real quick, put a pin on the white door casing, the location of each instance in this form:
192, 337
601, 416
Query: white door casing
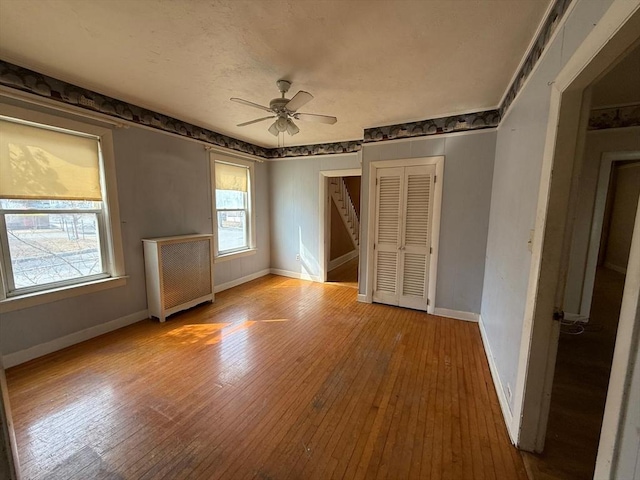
402, 239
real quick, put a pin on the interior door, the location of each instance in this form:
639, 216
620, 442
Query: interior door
389, 186
416, 236
402, 242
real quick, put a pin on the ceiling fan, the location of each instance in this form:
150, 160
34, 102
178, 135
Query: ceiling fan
284, 110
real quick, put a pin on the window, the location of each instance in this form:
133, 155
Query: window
55, 224
233, 206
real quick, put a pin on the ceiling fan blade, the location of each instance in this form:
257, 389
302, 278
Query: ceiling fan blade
310, 117
301, 98
273, 130
254, 121
250, 104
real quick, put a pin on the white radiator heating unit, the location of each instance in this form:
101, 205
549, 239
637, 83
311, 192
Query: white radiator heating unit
179, 273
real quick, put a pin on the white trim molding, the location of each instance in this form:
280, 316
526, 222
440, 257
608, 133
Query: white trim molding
22, 356
298, 275
457, 314
619, 439
364, 298
341, 260
11, 304
239, 281
502, 398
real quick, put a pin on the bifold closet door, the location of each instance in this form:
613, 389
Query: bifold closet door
402, 242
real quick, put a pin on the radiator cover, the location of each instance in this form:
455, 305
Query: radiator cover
179, 273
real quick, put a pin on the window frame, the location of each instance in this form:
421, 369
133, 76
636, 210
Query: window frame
108, 222
250, 209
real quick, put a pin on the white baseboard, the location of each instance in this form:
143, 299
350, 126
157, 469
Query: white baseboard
616, 268
298, 275
22, 356
336, 262
240, 281
502, 397
363, 298
457, 314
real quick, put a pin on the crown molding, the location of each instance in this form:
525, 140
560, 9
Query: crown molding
434, 126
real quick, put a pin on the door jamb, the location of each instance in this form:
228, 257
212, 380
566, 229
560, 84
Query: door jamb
438, 161
325, 214
602, 190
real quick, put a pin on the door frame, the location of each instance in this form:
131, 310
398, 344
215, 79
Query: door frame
595, 234
438, 161
324, 227
611, 37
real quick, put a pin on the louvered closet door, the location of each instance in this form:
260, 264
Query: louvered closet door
404, 205
389, 193
416, 236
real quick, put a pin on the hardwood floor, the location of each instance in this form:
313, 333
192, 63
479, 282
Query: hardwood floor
579, 390
279, 378
346, 274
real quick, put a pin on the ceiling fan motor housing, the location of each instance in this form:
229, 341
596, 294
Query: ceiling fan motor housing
278, 104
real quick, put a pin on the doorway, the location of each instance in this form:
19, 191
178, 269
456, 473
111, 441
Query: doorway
605, 47
339, 228
587, 341
344, 230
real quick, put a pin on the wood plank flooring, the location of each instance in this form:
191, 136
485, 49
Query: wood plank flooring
278, 379
346, 274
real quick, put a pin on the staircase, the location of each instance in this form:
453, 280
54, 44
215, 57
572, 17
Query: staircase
342, 200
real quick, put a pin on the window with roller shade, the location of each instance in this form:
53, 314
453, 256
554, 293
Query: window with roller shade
233, 183
52, 211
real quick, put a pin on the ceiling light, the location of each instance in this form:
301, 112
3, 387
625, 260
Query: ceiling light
281, 123
292, 128
273, 129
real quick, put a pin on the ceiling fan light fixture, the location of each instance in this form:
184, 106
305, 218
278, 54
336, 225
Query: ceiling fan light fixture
273, 129
281, 123
284, 111
292, 128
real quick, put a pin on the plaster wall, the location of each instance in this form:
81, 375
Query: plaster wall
518, 163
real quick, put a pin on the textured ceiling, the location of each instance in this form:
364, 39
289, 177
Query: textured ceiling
370, 63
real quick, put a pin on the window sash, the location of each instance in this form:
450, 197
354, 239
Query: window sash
219, 163
9, 279
247, 226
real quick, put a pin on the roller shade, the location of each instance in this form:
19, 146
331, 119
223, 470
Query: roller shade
231, 177
38, 163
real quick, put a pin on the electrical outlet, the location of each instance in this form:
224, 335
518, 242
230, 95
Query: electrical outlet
297, 257
508, 391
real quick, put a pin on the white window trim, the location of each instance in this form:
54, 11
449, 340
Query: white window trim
111, 212
252, 249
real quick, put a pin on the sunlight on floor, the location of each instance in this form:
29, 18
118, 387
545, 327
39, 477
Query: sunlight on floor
213, 332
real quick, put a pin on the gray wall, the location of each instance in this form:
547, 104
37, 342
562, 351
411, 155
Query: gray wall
597, 143
468, 169
163, 189
295, 206
518, 163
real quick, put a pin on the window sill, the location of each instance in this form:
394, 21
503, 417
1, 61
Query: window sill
38, 298
234, 255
